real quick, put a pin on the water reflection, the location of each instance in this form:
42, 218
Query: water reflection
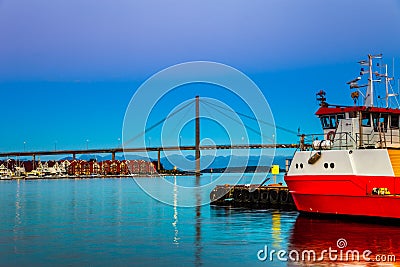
343, 235
276, 229
17, 205
18, 209
198, 245
175, 222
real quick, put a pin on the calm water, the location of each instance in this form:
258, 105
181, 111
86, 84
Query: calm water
112, 222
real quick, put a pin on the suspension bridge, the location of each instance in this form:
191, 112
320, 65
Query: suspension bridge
196, 147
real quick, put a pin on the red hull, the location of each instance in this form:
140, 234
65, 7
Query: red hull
345, 195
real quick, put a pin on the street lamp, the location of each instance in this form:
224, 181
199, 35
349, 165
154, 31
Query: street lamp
180, 140
55, 145
24, 146
87, 144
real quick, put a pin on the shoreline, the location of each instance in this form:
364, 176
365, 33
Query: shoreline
57, 177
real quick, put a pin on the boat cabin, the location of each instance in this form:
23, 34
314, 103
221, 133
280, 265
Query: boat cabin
360, 126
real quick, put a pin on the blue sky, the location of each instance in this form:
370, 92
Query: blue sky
69, 68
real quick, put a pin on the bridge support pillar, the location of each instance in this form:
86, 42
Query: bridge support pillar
33, 160
113, 156
74, 156
197, 134
159, 160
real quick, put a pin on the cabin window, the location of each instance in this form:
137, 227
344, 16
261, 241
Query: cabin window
331, 121
365, 119
339, 117
326, 123
394, 121
353, 114
380, 120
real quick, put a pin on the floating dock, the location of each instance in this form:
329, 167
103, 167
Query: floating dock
273, 196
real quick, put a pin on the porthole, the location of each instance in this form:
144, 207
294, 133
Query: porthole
301, 165
297, 165
326, 165
332, 165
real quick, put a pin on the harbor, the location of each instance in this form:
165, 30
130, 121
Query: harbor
12, 169
83, 217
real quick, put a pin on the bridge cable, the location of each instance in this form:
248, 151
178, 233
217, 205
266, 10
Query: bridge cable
258, 120
156, 124
181, 120
238, 121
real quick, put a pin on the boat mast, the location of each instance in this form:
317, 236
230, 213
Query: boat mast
369, 99
387, 86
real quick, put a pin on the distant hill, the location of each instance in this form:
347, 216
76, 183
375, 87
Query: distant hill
221, 162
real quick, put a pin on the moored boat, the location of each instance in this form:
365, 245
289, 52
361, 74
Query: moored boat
354, 169
5, 173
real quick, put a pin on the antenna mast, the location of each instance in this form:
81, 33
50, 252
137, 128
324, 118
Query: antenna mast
369, 98
387, 80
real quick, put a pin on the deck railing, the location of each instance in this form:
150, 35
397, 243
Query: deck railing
348, 140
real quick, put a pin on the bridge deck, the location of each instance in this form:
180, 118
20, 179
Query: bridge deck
142, 149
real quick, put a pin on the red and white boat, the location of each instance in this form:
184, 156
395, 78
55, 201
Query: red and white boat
355, 168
